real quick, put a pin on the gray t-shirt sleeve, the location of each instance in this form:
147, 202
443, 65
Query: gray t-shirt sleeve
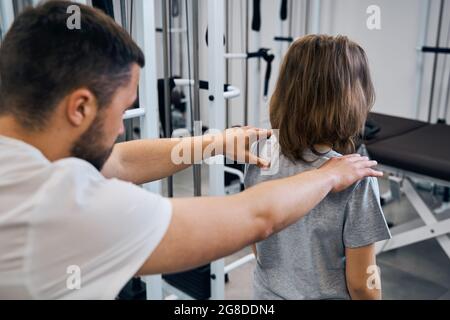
364, 222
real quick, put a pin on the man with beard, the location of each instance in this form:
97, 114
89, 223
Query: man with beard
73, 223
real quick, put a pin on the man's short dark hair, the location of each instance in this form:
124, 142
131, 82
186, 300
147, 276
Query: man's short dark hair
42, 60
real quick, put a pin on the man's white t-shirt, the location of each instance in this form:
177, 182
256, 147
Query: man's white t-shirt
63, 226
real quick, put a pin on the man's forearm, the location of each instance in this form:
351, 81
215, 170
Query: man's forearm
144, 161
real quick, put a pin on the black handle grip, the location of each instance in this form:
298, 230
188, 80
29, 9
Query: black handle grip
256, 21
285, 39
269, 59
284, 10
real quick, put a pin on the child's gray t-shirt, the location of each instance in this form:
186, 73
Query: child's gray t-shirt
307, 260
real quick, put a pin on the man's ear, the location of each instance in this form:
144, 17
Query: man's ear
81, 107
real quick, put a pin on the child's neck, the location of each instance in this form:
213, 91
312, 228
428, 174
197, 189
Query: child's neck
322, 148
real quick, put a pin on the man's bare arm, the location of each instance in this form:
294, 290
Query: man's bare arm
205, 229
143, 161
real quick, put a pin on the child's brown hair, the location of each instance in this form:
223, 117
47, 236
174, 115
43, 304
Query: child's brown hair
323, 95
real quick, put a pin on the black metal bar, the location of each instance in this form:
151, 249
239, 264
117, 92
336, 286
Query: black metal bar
284, 10
447, 99
436, 50
167, 106
284, 39
195, 52
268, 57
256, 22
269, 61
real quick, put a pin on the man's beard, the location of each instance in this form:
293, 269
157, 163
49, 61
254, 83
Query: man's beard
89, 148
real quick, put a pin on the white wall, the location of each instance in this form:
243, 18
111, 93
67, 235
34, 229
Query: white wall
391, 50
395, 63
394, 60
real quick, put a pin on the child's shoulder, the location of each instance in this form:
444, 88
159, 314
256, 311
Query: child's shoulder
362, 188
280, 165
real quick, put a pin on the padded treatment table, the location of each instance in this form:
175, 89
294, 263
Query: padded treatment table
408, 149
424, 151
392, 126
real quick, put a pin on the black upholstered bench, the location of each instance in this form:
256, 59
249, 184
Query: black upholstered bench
391, 126
424, 151
410, 148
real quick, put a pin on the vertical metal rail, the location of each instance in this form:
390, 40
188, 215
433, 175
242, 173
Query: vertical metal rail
197, 127
216, 70
148, 99
423, 32
167, 100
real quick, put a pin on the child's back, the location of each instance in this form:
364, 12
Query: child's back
322, 98
307, 260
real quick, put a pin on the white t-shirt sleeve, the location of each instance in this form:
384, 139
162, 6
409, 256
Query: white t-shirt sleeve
105, 231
